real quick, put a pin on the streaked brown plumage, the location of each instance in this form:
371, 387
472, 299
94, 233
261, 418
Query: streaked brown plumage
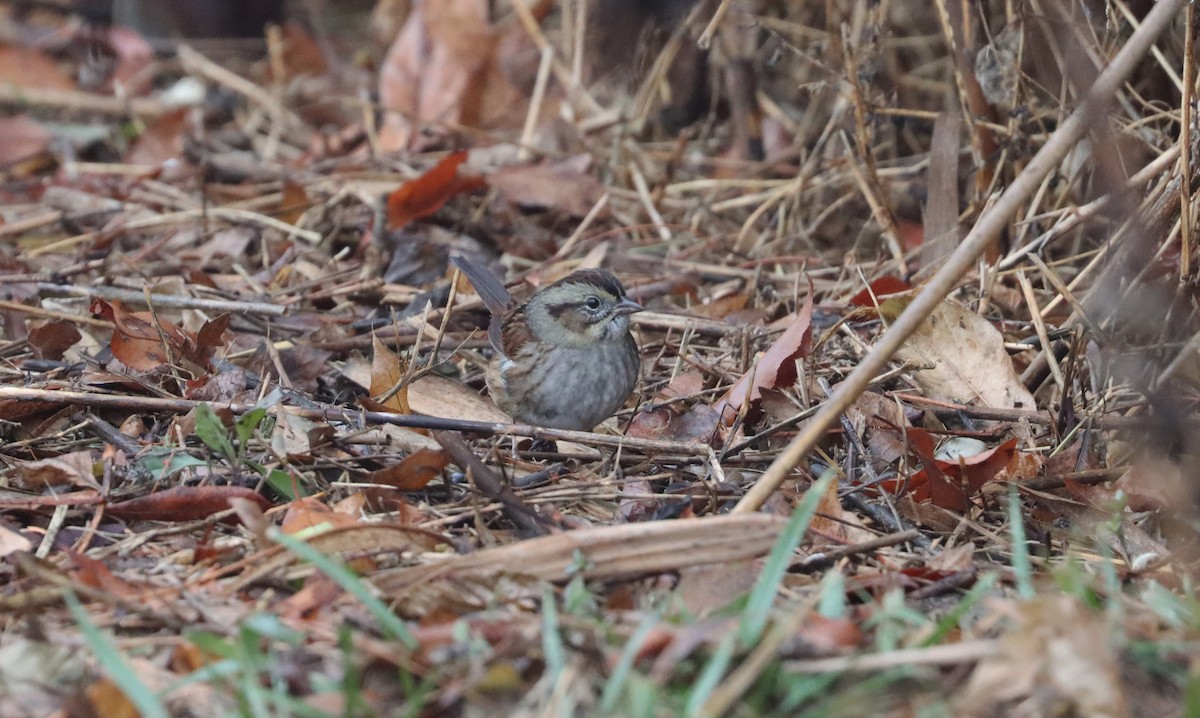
565, 358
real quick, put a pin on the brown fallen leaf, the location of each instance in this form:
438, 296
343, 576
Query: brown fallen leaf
387, 372
562, 186
21, 138
1056, 660
49, 339
413, 472
144, 342
961, 358
183, 503
73, 469
881, 287
450, 65
775, 369
162, 141
29, 67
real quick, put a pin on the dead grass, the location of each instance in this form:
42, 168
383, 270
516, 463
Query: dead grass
916, 418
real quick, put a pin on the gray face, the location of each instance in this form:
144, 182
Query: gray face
586, 307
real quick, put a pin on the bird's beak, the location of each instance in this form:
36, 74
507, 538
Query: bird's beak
627, 306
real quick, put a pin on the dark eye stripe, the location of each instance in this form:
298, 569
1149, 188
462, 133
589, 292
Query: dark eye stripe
559, 309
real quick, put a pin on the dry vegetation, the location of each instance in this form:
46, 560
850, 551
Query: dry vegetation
915, 429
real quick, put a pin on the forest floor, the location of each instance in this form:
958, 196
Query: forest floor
915, 428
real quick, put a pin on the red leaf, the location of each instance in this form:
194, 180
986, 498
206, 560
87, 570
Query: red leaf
885, 285
426, 194
184, 503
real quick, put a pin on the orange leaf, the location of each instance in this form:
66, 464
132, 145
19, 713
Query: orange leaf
162, 141
138, 337
293, 202
881, 287
426, 194
387, 370
414, 471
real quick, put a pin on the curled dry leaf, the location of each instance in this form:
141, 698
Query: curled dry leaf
73, 469
142, 341
451, 66
950, 484
49, 339
413, 472
775, 369
387, 372
308, 514
878, 289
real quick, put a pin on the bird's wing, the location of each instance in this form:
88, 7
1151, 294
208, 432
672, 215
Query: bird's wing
487, 285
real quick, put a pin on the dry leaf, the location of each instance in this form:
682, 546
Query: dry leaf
21, 138
162, 141
438, 396
50, 338
73, 469
1056, 660
562, 186
27, 67
775, 369
426, 194
961, 358
184, 503
447, 67
413, 472
387, 372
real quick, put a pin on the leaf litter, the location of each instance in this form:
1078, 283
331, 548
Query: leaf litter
228, 313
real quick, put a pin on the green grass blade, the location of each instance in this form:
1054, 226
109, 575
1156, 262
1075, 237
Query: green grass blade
1022, 567
114, 664
711, 676
762, 596
347, 579
552, 645
620, 676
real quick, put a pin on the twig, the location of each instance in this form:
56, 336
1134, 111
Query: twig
52, 314
825, 559
520, 513
227, 214
705, 39
418, 421
162, 300
11, 94
940, 655
990, 225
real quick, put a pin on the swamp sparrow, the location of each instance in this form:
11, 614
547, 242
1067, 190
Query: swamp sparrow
565, 358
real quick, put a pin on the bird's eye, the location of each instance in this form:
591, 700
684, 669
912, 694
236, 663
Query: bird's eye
592, 303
